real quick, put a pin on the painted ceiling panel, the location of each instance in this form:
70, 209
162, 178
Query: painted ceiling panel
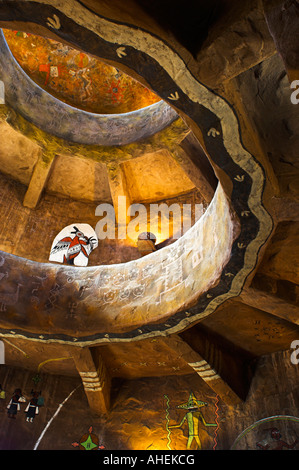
155, 176
80, 179
76, 78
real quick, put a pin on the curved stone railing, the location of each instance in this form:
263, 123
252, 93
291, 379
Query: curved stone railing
72, 124
118, 301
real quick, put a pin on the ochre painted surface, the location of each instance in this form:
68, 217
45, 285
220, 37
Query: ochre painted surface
218, 125
156, 176
29, 233
18, 154
79, 179
76, 78
79, 171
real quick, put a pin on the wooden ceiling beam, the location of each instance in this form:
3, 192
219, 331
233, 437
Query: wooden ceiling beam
195, 149
245, 36
194, 173
234, 365
203, 369
39, 178
270, 304
282, 20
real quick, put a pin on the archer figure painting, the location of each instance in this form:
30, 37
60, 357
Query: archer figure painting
73, 245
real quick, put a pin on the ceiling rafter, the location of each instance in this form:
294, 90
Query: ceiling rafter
204, 370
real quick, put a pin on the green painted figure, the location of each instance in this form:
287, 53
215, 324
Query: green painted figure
193, 417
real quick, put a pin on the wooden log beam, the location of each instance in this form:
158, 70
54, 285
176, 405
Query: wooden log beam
39, 178
251, 136
120, 196
204, 370
194, 173
244, 42
270, 304
196, 152
95, 379
282, 20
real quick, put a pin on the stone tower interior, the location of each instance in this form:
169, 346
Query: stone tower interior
110, 111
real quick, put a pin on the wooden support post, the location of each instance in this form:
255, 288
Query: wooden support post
38, 181
120, 196
95, 379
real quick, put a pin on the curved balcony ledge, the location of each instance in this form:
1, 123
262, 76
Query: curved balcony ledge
66, 122
140, 298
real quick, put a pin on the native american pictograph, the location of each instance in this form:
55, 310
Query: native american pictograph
73, 245
193, 417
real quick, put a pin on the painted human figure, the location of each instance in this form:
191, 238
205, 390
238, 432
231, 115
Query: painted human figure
40, 400
32, 408
193, 417
14, 404
277, 443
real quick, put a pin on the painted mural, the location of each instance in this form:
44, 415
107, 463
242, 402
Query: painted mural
89, 441
215, 119
55, 117
279, 432
14, 405
73, 245
193, 419
76, 78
